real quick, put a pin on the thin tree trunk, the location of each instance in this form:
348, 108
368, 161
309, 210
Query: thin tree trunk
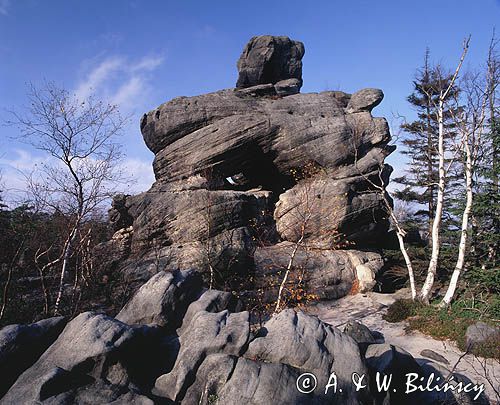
436, 224
66, 257
9, 278
45, 293
288, 269
465, 225
409, 266
430, 170
400, 233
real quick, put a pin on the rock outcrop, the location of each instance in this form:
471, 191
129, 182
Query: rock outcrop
243, 175
212, 356
22, 345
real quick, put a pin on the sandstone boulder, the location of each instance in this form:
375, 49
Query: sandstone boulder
305, 343
92, 346
359, 332
481, 335
207, 333
328, 274
163, 300
268, 59
22, 345
210, 301
228, 380
238, 170
365, 100
396, 362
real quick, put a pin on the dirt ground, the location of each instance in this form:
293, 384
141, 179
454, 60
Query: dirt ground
370, 307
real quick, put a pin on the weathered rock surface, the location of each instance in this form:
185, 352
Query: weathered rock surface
214, 358
22, 345
431, 354
224, 379
210, 301
359, 332
365, 100
268, 59
395, 362
226, 134
207, 333
91, 346
97, 393
329, 273
481, 333
305, 343
177, 217
243, 174
163, 300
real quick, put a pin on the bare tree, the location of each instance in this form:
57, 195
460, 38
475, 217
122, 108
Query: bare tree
297, 245
313, 180
80, 171
477, 90
379, 186
436, 224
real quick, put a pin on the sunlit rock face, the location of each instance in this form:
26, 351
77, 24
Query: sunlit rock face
256, 169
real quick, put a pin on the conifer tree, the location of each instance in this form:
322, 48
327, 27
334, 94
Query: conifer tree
420, 141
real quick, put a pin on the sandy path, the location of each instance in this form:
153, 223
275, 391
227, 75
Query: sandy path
369, 308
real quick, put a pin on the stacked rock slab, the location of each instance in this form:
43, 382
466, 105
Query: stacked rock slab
243, 173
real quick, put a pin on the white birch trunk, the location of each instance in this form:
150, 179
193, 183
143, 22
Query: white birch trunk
400, 233
287, 272
66, 257
465, 225
408, 265
436, 224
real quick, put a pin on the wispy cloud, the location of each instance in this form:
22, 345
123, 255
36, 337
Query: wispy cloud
97, 77
22, 160
148, 64
120, 80
129, 92
13, 170
141, 172
4, 7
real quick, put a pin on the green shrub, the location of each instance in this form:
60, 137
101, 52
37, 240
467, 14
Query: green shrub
401, 310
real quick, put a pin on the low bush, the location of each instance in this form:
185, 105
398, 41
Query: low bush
401, 310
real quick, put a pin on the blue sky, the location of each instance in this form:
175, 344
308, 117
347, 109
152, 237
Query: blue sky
139, 54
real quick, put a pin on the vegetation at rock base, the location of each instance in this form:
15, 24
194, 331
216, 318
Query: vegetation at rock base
450, 323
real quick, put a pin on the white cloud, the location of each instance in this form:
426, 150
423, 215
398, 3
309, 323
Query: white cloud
4, 7
141, 172
128, 92
120, 80
23, 160
98, 76
148, 63
13, 170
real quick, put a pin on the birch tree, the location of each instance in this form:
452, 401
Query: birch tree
80, 171
379, 185
436, 224
478, 93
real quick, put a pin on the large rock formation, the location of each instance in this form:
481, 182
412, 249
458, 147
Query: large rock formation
243, 175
